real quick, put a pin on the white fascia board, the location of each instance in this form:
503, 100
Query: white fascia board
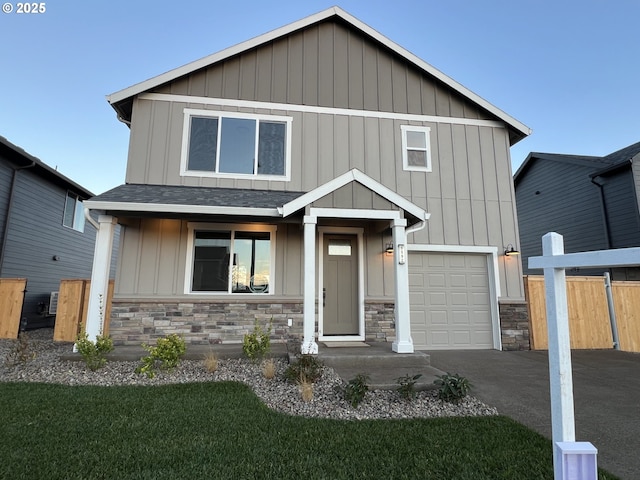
355, 213
451, 248
300, 24
186, 209
290, 107
341, 181
220, 56
618, 257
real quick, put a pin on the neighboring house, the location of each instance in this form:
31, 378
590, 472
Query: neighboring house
267, 182
592, 201
44, 235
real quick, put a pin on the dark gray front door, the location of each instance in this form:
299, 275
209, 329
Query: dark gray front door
340, 289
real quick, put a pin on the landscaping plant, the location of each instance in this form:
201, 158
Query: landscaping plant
452, 387
21, 351
407, 386
306, 388
308, 365
211, 362
94, 353
256, 345
269, 369
167, 354
356, 389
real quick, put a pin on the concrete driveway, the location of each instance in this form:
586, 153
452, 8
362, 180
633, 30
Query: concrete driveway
606, 388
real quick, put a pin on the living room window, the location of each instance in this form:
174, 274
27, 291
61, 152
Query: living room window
230, 259
223, 144
416, 148
73, 212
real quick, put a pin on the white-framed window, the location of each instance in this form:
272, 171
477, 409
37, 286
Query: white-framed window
230, 259
416, 148
73, 216
238, 145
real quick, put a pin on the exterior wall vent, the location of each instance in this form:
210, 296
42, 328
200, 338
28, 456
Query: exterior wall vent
53, 303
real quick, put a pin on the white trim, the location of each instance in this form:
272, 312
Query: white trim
355, 213
231, 227
303, 23
189, 113
405, 148
359, 232
170, 208
289, 107
344, 179
618, 257
492, 270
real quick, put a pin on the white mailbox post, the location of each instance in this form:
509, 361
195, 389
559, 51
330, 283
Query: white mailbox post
554, 262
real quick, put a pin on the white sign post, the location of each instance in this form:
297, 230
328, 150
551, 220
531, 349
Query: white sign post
554, 262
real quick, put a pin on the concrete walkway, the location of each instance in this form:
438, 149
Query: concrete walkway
606, 387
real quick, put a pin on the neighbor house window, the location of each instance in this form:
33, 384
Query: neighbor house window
73, 212
231, 260
416, 153
238, 145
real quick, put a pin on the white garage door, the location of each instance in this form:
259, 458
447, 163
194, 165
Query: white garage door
450, 301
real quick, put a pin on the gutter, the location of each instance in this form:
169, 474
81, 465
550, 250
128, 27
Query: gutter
5, 234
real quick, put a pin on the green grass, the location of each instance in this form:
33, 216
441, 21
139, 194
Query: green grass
222, 430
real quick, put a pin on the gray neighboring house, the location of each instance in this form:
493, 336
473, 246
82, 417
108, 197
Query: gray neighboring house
44, 235
319, 176
594, 202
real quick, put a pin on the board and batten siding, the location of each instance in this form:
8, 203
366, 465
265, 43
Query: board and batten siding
328, 65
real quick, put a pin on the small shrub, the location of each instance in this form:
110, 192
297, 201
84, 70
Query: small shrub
166, 353
452, 388
21, 351
308, 365
356, 389
407, 386
256, 345
94, 353
269, 369
211, 362
306, 388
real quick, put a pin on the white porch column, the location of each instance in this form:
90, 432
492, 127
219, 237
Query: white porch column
309, 345
404, 342
100, 276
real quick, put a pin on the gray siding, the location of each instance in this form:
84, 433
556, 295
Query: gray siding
6, 174
559, 197
622, 211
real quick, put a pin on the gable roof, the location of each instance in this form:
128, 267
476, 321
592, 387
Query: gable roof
518, 129
22, 159
601, 165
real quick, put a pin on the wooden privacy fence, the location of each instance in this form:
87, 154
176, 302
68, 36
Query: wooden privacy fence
73, 301
589, 322
11, 299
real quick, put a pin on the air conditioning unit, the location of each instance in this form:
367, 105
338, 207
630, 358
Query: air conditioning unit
53, 303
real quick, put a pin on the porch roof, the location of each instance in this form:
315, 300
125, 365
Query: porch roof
183, 199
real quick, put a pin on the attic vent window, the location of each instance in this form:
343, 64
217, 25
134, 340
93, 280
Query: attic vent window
226, 144
416, 148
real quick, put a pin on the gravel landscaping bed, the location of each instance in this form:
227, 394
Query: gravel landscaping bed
44, 365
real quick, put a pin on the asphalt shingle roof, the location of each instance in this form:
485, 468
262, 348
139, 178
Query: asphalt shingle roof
206, 196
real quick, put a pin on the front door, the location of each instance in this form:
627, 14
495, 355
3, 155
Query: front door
340, 285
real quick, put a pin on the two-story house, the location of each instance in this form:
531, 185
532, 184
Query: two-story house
319, 176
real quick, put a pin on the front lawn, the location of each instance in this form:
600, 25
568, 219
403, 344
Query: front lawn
222, 430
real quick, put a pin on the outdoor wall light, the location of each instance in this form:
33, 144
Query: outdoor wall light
55, 258
389, 249
510, 251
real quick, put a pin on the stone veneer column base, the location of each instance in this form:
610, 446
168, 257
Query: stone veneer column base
202, 322
514, 325
379, 321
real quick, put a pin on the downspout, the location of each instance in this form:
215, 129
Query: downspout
416, 228
90, 219
605, 217
5, 234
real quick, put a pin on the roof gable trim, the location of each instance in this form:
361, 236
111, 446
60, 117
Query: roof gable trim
348, 177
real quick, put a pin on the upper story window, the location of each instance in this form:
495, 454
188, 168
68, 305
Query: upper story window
228, 144
73, 212
416, 148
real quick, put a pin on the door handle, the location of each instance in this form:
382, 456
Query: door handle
324, 297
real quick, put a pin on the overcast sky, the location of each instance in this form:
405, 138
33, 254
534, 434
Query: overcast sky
568, 69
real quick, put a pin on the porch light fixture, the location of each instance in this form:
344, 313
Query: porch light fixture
389, 249
510, 251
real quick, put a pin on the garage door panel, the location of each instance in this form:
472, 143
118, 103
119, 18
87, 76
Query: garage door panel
450, 301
